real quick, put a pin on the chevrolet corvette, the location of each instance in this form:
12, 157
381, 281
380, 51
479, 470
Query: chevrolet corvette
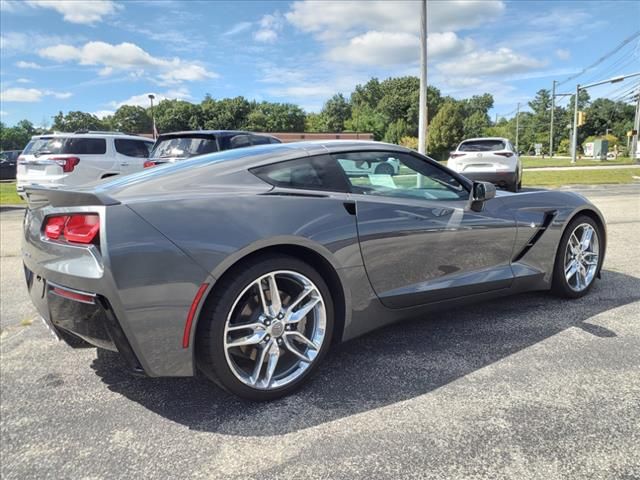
247, 265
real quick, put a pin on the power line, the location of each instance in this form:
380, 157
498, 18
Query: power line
601, 59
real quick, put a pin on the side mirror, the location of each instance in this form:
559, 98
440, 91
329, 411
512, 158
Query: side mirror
483, 191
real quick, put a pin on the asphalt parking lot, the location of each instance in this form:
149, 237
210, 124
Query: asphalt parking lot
526, 387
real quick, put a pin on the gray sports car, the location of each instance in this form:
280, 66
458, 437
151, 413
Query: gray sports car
248, 264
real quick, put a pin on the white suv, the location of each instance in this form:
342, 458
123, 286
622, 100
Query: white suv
492, 160
74, 159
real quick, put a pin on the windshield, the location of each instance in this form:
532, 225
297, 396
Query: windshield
184, 147
482, 146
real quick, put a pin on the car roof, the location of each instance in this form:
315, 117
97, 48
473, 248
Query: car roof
213, 132
92, 135
484, 138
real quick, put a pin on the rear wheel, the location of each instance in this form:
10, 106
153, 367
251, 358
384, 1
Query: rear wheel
266, 328
515, 186
579, 258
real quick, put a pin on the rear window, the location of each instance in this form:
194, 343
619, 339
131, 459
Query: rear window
66, 145
133, 148
184, 147
482, 146
309, 173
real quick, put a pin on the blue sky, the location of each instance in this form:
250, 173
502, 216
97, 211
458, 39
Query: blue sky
97, 55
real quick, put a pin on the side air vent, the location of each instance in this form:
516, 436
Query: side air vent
546, 221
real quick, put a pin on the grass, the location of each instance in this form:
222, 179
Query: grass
8, 195
536, 162
580, 177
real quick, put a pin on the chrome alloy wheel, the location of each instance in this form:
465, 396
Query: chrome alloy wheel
275, 329
581, 257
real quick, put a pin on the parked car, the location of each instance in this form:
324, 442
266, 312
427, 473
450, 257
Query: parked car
8, 164
75, 159
172, 147
492, 160
248, 264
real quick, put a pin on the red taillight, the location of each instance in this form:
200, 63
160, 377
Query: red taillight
20, 159
504, 154
148, 164
54, 227
67, 163
71, 295
76, 228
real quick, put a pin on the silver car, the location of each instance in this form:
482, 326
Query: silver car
247, 265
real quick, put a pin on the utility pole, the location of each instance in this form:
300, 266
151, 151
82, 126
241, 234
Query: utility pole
553, 108
636, 127
422, 119
574, 137
517, 127
153, 117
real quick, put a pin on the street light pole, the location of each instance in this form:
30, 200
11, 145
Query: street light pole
636, 127
553, 108
422, 116
153, 118
518, 127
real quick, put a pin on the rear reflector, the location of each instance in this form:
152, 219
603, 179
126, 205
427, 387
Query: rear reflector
71, 295
148, 164
504, 154
192, 314
67, 163
76, 228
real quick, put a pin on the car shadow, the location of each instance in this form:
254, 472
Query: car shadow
393, 364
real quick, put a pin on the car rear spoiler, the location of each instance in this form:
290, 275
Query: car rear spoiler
40, 196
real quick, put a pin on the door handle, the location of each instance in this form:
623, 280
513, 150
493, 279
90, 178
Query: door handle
125, 164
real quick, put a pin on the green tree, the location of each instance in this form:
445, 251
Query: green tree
396, 131
176, 115
16, 137
336, 112
131, 119
476, 124
315, 123
226, 113
447, 129
74, 121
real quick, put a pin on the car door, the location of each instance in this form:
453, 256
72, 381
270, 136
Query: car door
420, 240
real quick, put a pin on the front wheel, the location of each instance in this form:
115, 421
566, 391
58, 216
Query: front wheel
266, 328
579, 258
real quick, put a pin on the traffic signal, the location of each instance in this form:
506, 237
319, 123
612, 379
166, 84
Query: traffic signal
581, 118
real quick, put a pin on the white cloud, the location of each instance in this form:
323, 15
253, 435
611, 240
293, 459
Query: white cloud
498, 62
31, 65
30, 95
269, 28
21, 95
79, 11
103, 113
23, 80
3, 113
563, 54
26, 42
142, 100
129, 57
237, 28
393, 48
327, 18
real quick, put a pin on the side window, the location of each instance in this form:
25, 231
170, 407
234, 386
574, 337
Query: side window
259, 140
274, 140
132, 148
309, 173
85, 146
239, 141
394, 174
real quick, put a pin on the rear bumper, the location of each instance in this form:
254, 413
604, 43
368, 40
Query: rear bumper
501, 179
73, 315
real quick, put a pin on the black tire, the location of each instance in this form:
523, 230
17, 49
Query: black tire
385, 169
559, 286
210, 355
514, 187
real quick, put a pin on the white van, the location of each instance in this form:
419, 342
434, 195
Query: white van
75, 159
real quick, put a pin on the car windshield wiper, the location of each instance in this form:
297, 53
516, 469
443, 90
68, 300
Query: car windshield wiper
42, 152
